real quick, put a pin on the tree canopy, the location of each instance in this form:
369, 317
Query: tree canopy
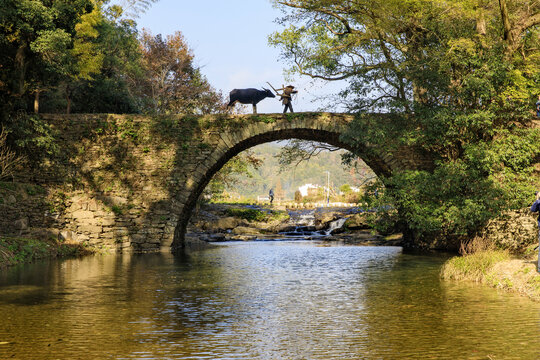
461, 78
87, 56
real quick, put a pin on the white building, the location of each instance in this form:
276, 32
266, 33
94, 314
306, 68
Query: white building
305, 189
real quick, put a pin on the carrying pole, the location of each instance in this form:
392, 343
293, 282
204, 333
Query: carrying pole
272, 88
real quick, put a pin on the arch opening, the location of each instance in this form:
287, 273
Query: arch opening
318, 135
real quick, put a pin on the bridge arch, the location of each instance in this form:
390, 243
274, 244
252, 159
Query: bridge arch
133, 180
226, 144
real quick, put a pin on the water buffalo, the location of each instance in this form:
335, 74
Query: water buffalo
249, 96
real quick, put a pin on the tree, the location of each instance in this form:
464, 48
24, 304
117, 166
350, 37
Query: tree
386, 48
519, 19
280, 194
172, 83
458, 76
35, 37
86, 57
134, 8
114, 87
359, 42
227, 176
297, 196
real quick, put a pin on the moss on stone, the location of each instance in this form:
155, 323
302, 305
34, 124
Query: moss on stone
16, 250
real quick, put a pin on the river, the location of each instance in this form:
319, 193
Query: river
259, 300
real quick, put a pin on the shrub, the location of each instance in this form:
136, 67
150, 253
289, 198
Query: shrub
473, 267
248, 214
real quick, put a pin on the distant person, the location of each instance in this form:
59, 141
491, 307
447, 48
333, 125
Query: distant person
271, 195
536, 208
538, 107
286, 97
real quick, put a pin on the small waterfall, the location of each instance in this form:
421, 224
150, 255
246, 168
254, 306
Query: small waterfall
305, 218
334, 225
304, 225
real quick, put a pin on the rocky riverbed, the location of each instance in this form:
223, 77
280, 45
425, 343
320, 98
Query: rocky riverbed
223, 222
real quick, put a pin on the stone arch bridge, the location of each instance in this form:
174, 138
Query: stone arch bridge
132, 181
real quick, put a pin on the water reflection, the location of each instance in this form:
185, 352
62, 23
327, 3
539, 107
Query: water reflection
263, 300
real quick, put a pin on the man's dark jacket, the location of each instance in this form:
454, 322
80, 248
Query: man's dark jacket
536, 207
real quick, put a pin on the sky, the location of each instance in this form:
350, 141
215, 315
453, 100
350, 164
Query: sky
230, 41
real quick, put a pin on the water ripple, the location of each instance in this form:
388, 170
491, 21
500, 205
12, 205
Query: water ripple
264, 300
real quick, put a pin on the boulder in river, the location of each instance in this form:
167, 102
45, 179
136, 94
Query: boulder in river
324, 217
222, 224
356, 222
244, 230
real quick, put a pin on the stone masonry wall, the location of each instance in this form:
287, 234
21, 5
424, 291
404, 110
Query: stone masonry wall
514, 230
131, 182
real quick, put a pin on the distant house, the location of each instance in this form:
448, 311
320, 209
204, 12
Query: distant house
309, 189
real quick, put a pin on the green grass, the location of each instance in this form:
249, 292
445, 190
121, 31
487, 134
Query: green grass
248, 214
15, 251
278, 215
474, 267
258, 215
496, 268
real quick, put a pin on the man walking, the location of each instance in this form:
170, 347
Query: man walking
286, 97
536, 208
271, 195
538, 107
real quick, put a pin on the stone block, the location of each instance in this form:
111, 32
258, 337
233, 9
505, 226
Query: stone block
152, 231
93, 205
82, 238
138, 238
106, 221
169, 229
118, 200
91, 229
107, 235
83, 215
243, 230
21, 224
149, 246
121, 231
139, 221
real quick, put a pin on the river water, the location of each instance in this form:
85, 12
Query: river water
259, 300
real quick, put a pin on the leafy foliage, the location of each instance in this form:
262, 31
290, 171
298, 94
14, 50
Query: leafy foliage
171, 83
87, 56
460, 79
248, 214
134, 8
269, 172
241, 165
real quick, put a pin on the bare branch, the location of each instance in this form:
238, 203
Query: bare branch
298, 151
9, 160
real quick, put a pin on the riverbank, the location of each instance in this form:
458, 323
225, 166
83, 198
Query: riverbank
16, 250
241, 222
498, 269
